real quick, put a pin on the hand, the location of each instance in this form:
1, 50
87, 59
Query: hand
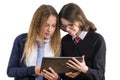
77, 65
49, 74
72, 74
37, 70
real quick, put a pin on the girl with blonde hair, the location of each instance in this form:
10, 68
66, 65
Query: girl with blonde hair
42, 40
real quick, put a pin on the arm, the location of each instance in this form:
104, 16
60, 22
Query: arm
16, 68
98, 70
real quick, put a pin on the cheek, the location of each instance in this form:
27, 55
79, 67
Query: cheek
76, 29
53, 30
45, 29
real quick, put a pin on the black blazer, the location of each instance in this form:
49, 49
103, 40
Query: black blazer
94, 48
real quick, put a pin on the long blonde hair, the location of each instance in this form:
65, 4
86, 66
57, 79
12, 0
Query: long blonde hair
39, 19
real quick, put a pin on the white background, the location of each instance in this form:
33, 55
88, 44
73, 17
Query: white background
16, 15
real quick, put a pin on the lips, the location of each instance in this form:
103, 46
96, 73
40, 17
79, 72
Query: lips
47, 34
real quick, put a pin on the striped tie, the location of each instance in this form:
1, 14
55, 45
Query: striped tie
76, 40
39, 58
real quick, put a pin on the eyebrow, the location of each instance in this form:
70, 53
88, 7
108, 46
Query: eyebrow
52, 24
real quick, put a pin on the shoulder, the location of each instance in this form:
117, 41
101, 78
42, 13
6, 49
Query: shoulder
67, 40
20, 38
66, 37
96, 38
95, 35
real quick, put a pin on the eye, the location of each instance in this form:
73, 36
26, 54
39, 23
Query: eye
46, 25
70, 24
54, 25
62, 26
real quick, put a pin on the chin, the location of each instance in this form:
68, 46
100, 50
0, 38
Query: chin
72, 34
47, 37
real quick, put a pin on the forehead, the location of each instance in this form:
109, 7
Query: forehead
64, 21
51, 19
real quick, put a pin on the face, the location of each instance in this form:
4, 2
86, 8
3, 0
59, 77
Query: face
71, 28
50, 27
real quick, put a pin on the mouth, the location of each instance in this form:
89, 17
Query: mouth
47, 34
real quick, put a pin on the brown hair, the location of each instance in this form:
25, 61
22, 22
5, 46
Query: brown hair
39, 19
74, 13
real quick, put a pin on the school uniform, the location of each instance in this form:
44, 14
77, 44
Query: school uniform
22, 70
92, 45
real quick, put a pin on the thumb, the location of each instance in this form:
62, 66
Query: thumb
83, 58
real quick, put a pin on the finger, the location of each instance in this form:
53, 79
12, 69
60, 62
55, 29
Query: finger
51, 70
70, 74
69, 65
83, 58
50, 74
54, 74
74, 64
75, 60
46, 74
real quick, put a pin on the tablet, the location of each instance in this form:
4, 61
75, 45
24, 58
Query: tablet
57, 63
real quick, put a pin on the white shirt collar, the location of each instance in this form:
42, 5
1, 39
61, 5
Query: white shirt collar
81, 35
47, 40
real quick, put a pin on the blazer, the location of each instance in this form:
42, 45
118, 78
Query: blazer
94, 48
16, 67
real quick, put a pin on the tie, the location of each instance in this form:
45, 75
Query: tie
40, 54
39, 57
76, 40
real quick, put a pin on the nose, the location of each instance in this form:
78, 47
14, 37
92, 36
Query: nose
67, 29
50, 28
